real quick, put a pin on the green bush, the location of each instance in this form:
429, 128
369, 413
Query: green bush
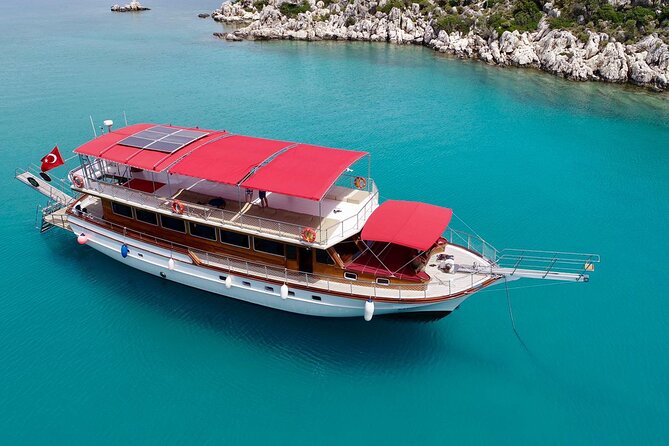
561, 22
392, 4
451, 23
609, 14
292, 9
260, 4
526, 15
642, 16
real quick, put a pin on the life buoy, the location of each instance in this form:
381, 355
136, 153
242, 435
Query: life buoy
360, 182
78, 181
309, 235
178, 207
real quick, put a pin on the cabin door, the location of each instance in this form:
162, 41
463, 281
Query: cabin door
306, 260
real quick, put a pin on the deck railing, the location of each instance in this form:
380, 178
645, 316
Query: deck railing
473, 243
317, 282
547, 261
239, 220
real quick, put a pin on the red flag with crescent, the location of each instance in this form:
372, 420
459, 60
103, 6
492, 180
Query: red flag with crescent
53, 159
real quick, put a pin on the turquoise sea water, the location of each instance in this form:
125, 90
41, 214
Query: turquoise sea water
93, 352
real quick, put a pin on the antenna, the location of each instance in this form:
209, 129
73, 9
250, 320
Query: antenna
125, 118
95, 134
108, 123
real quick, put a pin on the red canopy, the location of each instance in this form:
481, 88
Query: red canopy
303, 171
228, 160
106, 147
407, 223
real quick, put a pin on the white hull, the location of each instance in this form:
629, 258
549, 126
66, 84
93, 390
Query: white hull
154, 260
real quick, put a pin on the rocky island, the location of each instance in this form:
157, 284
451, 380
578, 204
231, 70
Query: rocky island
623, 41
131, 7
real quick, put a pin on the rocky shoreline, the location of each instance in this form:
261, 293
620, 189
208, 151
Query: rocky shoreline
560, 52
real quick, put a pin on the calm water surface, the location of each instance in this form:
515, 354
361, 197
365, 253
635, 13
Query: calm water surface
94, 352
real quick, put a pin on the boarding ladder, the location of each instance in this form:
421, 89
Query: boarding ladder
56, 190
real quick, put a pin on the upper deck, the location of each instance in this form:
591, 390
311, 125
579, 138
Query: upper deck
307, 187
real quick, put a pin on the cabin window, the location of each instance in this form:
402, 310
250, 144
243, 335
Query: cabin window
314, 297
322, 256
382, 281
350, 276
268, 246
291, 252
234, 238
269, 288
245, 283
291, 293
202, 231
146, 216
121, 209
173, 224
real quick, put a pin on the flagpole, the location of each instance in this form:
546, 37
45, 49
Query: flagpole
93, 125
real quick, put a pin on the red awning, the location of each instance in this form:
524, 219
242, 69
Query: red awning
304, 171
228, 160
407, 223
106, 147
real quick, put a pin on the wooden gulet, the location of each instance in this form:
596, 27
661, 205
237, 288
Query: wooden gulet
290, 226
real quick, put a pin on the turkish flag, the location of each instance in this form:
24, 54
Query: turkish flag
53, 159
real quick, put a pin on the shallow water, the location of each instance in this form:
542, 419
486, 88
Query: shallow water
91, 351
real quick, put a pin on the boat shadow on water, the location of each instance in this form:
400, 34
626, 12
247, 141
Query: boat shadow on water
348, 342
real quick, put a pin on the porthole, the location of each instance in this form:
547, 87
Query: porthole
314, 297
222, 277
382, 281
350, 276
245, 283
269, 288
291, 293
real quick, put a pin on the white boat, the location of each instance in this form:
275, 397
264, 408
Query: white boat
289, 226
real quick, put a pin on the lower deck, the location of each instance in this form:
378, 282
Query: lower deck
440, 285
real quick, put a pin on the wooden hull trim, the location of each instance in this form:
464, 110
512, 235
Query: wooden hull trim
427, 300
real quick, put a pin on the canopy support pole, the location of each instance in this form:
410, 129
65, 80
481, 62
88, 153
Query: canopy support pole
377, 257
169, 186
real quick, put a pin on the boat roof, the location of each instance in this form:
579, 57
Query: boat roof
407, 223
303, 171
298, 170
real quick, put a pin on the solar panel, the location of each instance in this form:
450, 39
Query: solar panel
162, 139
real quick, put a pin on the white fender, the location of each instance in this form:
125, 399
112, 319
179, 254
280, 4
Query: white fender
284, 291
170, 264
82, 239
369, 310
228, 282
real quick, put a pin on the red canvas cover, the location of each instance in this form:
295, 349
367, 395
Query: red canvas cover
394, 262
106, 147
407, 223
228, 160
303, 171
